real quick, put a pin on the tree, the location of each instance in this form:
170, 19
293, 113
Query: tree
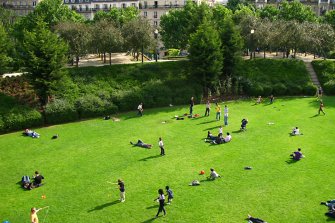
5, 49
329, 18
107, 37
118, 16
77, 36
269, 12
205, 56
138, 35
43, 55
295, 10
231, 46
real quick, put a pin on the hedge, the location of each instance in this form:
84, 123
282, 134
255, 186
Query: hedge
60, 111
325, 70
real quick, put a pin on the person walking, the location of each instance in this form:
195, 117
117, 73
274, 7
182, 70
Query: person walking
191, 106
321, 108
169, 194
208, 108
140, 109
218, 111
161, 200
225, 116
161, 145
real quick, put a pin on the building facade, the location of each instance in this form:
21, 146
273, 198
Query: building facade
20, 7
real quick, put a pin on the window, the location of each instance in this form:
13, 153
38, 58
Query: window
124, 5
105, 6
145, 4
86, 8
34, 3
155, 14
145, 14
133, 4
155, 23
80, 8
156, 4
97, 6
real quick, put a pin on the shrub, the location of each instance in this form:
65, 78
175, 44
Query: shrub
128, 100
2, 125
279, 89
93, 106
21, 118
293, 89
60, 111
267, 89
309, 89
329, 87
173, 52
156, 94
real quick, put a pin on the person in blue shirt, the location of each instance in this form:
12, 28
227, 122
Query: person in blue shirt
169, 194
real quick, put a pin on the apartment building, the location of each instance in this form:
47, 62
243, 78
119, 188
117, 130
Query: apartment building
20, 7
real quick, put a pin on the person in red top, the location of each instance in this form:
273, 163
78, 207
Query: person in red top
321, 108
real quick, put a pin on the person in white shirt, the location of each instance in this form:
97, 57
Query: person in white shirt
213, 175
161, 145
140, 109
208, 108
227, 138
220, 130
161, 199
225, 115
295, 131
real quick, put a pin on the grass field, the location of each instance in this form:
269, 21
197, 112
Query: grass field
77, 165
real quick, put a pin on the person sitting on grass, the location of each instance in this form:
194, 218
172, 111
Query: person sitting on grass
31, 133
210, 136
227, 138
213, 175
140, 143
244, 123
37, 180
295, 132
297, 155
254, 220
259, 100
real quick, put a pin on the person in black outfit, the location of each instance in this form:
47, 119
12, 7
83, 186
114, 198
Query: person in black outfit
37, 179
244, 124
161, 199
191, 106
255, 220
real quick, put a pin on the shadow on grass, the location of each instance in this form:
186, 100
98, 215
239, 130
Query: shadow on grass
131, 117
202, 123
149, 158
153, 206
149, 220
211, 128
316, 115
291, 161
330, 219
238, 131
100, 207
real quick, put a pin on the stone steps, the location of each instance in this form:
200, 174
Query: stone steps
312, 74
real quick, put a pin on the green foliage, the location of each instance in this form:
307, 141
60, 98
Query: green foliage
329, 18
173, 52
278, 77
295, 10
5, 49
60, 111
92, 106
118, 16
205, 56
43, 55
325, 70
270, 12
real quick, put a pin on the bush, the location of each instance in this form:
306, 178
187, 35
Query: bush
128, 100
293, 89
310, 89
92, 106
60, 111
279, 89
173, 52
156, 94
329, 87
21, 118
2, 125
267, 89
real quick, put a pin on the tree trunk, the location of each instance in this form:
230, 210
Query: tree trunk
110, 59
142, 52
77, 61
104, 57
264, 54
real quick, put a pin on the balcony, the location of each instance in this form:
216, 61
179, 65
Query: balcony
159, 6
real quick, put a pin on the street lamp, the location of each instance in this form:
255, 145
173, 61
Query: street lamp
252, 31
156, 50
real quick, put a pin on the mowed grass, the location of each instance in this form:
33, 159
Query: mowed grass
87, 154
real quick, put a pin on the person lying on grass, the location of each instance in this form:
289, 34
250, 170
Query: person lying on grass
330, 204
140, 143
254, 220
297, 155
295, 132
210, 136
31, 133
216, 139
213, 175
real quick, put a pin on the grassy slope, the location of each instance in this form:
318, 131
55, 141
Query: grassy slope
89, 153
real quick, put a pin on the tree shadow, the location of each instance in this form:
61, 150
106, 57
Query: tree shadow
291, 161
237, 131
197, 118
149, 220
131, 117
149, 158
202, 123
100, 207
153, 206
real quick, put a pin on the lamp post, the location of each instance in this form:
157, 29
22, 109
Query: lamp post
156, 48
252, 31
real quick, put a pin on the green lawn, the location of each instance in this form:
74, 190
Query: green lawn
89, 153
